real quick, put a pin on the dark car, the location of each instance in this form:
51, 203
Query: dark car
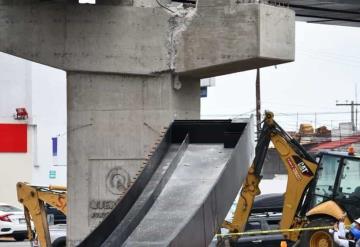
261, 222
265, 215
59, 217
268, 203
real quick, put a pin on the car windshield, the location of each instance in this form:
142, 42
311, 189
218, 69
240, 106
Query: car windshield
8, 208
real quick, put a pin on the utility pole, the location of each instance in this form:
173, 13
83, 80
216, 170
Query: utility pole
356, 119
352, 105
356, 109
258, 103
297, 121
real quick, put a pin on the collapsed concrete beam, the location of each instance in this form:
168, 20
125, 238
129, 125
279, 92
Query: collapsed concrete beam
185, 190
199, 194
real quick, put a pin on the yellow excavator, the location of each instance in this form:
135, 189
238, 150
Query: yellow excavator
33, 199
319, 191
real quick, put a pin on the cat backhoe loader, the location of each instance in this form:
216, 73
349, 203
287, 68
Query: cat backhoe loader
319, 191
33, 199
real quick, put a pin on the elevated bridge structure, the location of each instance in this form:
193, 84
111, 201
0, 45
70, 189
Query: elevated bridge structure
133, 67
332, 12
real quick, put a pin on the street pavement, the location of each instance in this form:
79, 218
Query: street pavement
8, 242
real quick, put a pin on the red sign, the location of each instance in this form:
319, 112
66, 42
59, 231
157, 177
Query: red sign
13, 138
294, 170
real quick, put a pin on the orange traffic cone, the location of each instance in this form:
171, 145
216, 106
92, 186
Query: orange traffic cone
283, 244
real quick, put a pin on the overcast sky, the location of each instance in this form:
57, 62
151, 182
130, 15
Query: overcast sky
326, 69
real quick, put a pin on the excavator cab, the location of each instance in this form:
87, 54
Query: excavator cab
338, 180
334, 191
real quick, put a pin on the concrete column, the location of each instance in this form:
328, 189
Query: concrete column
124, 60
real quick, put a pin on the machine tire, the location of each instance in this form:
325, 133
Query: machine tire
59, 242
318, 238
19, 238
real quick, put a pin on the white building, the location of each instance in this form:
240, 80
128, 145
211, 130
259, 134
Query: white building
42, 91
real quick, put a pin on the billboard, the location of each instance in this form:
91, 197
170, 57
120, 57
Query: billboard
13, 138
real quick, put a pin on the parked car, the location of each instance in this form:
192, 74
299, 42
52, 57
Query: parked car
265, 215
12, 222
55, 214
261, 223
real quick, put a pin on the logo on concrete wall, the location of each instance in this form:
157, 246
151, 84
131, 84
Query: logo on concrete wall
117, 180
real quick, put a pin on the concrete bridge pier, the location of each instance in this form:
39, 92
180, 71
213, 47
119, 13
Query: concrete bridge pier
132, 67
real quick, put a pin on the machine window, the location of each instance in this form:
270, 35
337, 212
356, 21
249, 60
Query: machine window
326, 178
349, 181
349, 188
8, 208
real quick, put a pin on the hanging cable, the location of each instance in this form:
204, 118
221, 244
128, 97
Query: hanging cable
163, 6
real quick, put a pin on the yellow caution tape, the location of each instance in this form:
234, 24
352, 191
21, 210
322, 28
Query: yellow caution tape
276, 231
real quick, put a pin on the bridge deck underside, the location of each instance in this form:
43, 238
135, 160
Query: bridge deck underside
334, 12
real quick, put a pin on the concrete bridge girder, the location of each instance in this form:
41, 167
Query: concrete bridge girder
132, 70
130, 40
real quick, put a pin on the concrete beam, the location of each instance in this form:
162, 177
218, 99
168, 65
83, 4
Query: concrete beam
240, 38
104, 38
146, 41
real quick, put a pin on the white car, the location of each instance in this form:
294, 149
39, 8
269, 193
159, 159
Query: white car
57, 236
12, 222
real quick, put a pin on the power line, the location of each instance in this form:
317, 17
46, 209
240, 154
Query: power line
331, 60
163, 6
352, 104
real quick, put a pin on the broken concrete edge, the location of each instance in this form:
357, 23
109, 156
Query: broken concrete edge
145, 200
104, 229
204, 51
245, 65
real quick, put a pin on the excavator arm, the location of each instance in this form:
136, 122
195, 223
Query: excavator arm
33, 199
301, 169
